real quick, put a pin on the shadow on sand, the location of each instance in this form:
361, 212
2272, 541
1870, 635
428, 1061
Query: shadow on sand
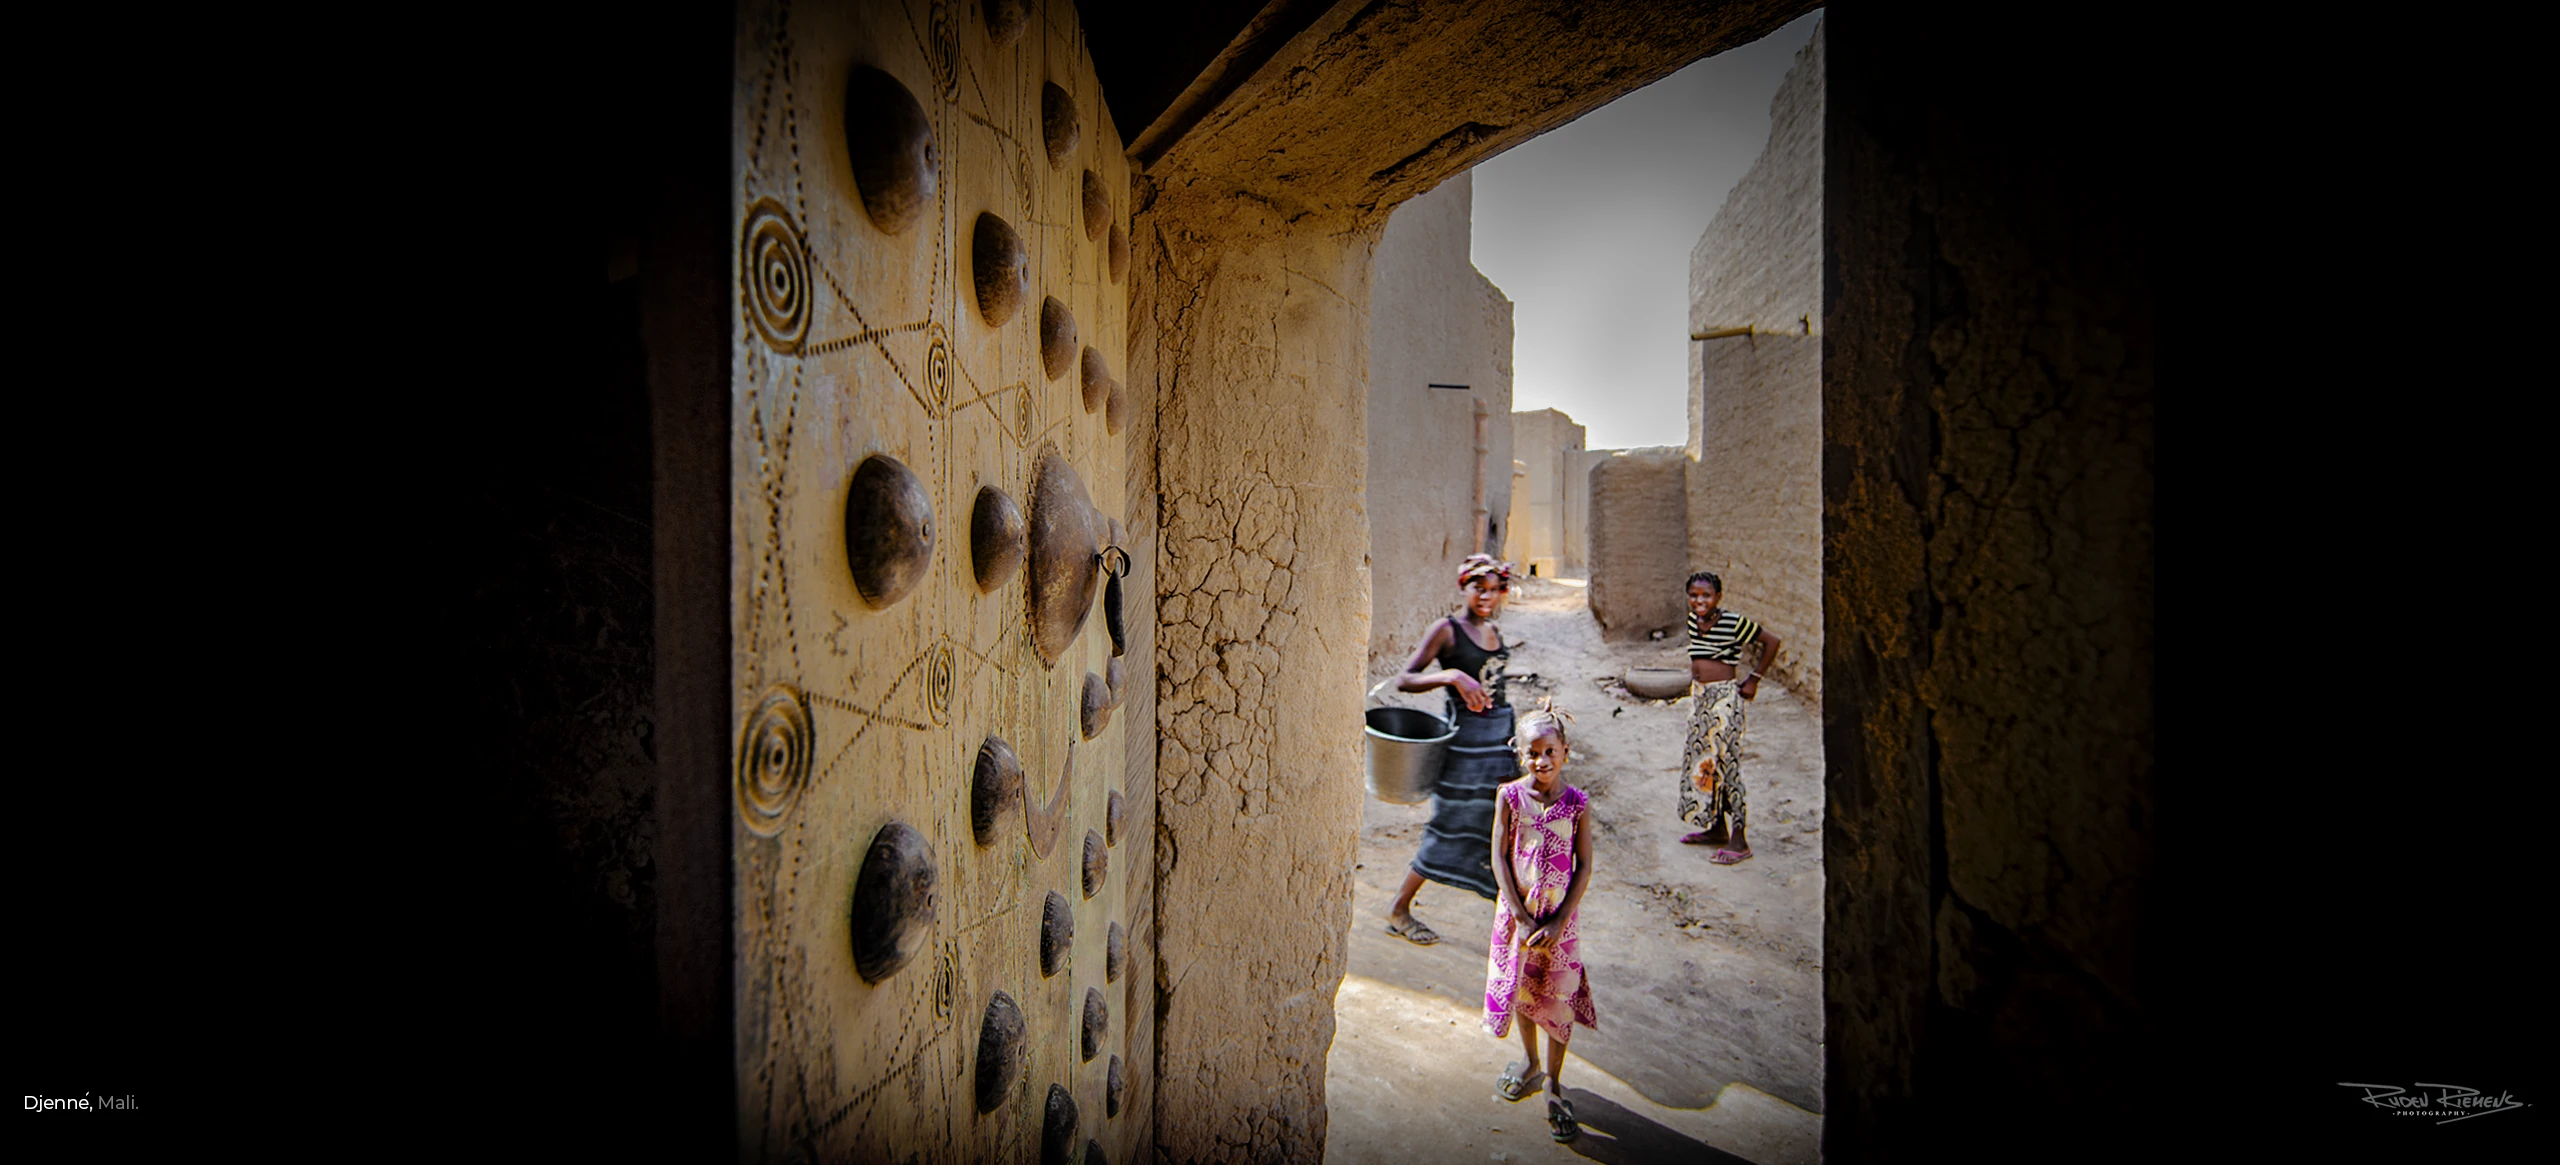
1612, 1134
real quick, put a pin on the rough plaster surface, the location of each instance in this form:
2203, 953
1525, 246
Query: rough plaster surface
1259, 355
1433, 319
895, 359
1987, 518
1375, 103
1755, 402
1639, 541
1546, 516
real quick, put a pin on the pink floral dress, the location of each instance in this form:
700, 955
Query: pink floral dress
1547, 986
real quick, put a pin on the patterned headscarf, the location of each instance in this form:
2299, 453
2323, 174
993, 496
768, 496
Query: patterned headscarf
1484, 565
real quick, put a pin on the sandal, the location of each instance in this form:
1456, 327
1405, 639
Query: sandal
1516, 1083
1727, 857
1411, 930
1560, 1118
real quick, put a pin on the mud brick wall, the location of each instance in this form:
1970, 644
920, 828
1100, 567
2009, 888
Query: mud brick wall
1755, 402
1639, 542
1988, 531
1433, 320
1548, 514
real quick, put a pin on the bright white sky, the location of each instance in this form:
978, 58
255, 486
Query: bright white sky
1588, 228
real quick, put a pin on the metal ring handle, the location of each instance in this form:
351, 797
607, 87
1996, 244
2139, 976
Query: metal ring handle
1110, 552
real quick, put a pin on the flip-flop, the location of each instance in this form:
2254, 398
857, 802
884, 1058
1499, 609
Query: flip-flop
1560, 1118
1411, 930
1515, 1088
1726, 857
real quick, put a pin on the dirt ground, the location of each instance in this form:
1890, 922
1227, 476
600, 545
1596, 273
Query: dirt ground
1707, 979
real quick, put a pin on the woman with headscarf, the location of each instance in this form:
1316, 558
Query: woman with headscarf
1464, 653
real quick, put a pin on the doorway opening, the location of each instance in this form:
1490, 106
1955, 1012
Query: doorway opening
1661, 404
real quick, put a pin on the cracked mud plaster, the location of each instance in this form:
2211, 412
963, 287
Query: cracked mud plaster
1263, 624
1988, 532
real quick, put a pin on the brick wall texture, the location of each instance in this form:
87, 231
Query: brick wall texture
1433, 319
1639, 503
1755, 402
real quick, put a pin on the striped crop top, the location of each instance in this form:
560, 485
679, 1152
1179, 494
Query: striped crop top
1725, 641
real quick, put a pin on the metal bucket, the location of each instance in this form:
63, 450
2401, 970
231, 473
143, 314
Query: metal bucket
1406, 749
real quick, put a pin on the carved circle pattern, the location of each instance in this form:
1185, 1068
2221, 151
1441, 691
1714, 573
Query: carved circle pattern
777, 277
937, 369
946, 50
773, 759
937, 683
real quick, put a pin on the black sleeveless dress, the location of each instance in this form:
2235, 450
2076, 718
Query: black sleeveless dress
1457, 847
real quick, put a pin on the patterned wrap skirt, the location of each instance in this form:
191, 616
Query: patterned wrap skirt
1713, 790
1457, 847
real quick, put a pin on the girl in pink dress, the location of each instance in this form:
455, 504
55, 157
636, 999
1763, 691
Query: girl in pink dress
1542, 861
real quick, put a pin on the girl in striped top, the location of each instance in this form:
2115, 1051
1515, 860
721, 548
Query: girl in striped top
1720, 643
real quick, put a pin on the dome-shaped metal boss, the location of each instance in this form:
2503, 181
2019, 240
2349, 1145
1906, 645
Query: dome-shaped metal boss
1097, 1022
1097, 379
893, 901
1005, 20
1112, 817
995, 788
999, 268
996, 538
1063, 569
1058, 1128
1059, 130
1118, 252
888, 530
1115, 953
890, 141
1097, 206
1115, 1088
1097, 863
1115, 409
1057, 337
1057, 933
1001, 1045
1096, 713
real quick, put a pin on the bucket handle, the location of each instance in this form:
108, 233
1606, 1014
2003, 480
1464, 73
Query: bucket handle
1373, 700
